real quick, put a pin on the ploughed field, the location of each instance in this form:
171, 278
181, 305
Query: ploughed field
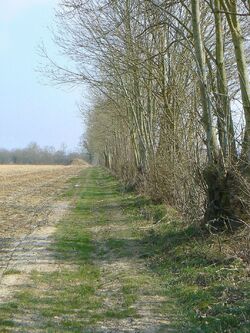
30, 201
27, 193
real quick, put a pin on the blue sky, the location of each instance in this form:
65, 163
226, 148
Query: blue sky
29, 110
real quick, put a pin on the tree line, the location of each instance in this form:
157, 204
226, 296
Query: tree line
171, 97
34, 154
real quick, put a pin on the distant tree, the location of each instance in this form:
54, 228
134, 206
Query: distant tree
34, 154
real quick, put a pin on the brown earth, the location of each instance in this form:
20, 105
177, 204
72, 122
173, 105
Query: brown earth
27, 193
29, 211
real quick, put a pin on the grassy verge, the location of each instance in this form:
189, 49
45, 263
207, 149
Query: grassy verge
113, 261
211, 290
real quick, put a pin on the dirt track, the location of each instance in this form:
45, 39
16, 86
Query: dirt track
29, 209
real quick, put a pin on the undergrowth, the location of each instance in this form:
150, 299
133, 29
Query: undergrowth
210, 287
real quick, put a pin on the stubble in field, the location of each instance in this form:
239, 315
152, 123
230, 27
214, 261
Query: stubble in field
30, 206
26, 194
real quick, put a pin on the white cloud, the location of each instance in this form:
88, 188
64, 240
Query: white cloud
10, 8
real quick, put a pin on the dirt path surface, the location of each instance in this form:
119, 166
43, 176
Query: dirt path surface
29, 212
126, 283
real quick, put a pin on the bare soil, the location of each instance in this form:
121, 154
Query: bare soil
29, 212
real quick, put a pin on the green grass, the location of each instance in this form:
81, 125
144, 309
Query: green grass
11, 271
203, 290
210, 290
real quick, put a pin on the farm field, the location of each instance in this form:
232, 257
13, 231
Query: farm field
29, 201
27, 193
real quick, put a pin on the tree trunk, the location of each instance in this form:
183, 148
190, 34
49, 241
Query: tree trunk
224, 115
212, 145
230, 8
220, 207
